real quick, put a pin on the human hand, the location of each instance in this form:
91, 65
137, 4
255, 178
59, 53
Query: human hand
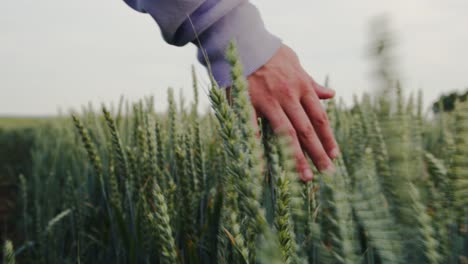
283, 93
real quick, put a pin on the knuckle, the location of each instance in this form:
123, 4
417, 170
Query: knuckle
321, 119
307, 133
290, 132
301, 163
285, 131
265, 104
300, 159
288, 91
304, 81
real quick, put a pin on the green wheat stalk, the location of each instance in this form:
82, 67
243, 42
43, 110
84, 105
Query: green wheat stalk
118, 149
161, 226
8, 253
459, 170
90, 148
425, 229
185, 190
283, 220
160, 157
373, 212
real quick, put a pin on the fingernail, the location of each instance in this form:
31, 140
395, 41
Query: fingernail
334, 153
307, 175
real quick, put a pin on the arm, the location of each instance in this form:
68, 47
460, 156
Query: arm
216, 23
280, 89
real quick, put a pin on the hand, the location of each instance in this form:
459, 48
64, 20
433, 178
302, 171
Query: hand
283, 93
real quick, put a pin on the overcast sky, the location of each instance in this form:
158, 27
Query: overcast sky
61, 54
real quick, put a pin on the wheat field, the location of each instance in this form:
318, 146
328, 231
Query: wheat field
129, 185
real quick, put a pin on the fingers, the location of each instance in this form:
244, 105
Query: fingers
307, 135
280, 123
321, 124
322, 92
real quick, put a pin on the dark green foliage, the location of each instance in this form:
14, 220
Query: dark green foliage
446, 103
15, 159
15, 145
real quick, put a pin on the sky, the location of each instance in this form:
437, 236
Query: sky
57, 55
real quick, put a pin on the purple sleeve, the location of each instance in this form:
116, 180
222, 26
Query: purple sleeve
215, 23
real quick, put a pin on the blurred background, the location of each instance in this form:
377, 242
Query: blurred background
63, 54
56, 56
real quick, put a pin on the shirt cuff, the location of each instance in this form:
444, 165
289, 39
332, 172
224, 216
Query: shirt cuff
255, 45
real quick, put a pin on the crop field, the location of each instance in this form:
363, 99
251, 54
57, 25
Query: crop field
20, 122
134, 186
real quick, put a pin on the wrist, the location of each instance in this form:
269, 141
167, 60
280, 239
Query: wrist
254, 43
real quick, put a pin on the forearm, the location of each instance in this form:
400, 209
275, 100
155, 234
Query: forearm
211, 25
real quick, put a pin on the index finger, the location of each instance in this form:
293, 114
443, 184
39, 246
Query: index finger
281, 124
319, 119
